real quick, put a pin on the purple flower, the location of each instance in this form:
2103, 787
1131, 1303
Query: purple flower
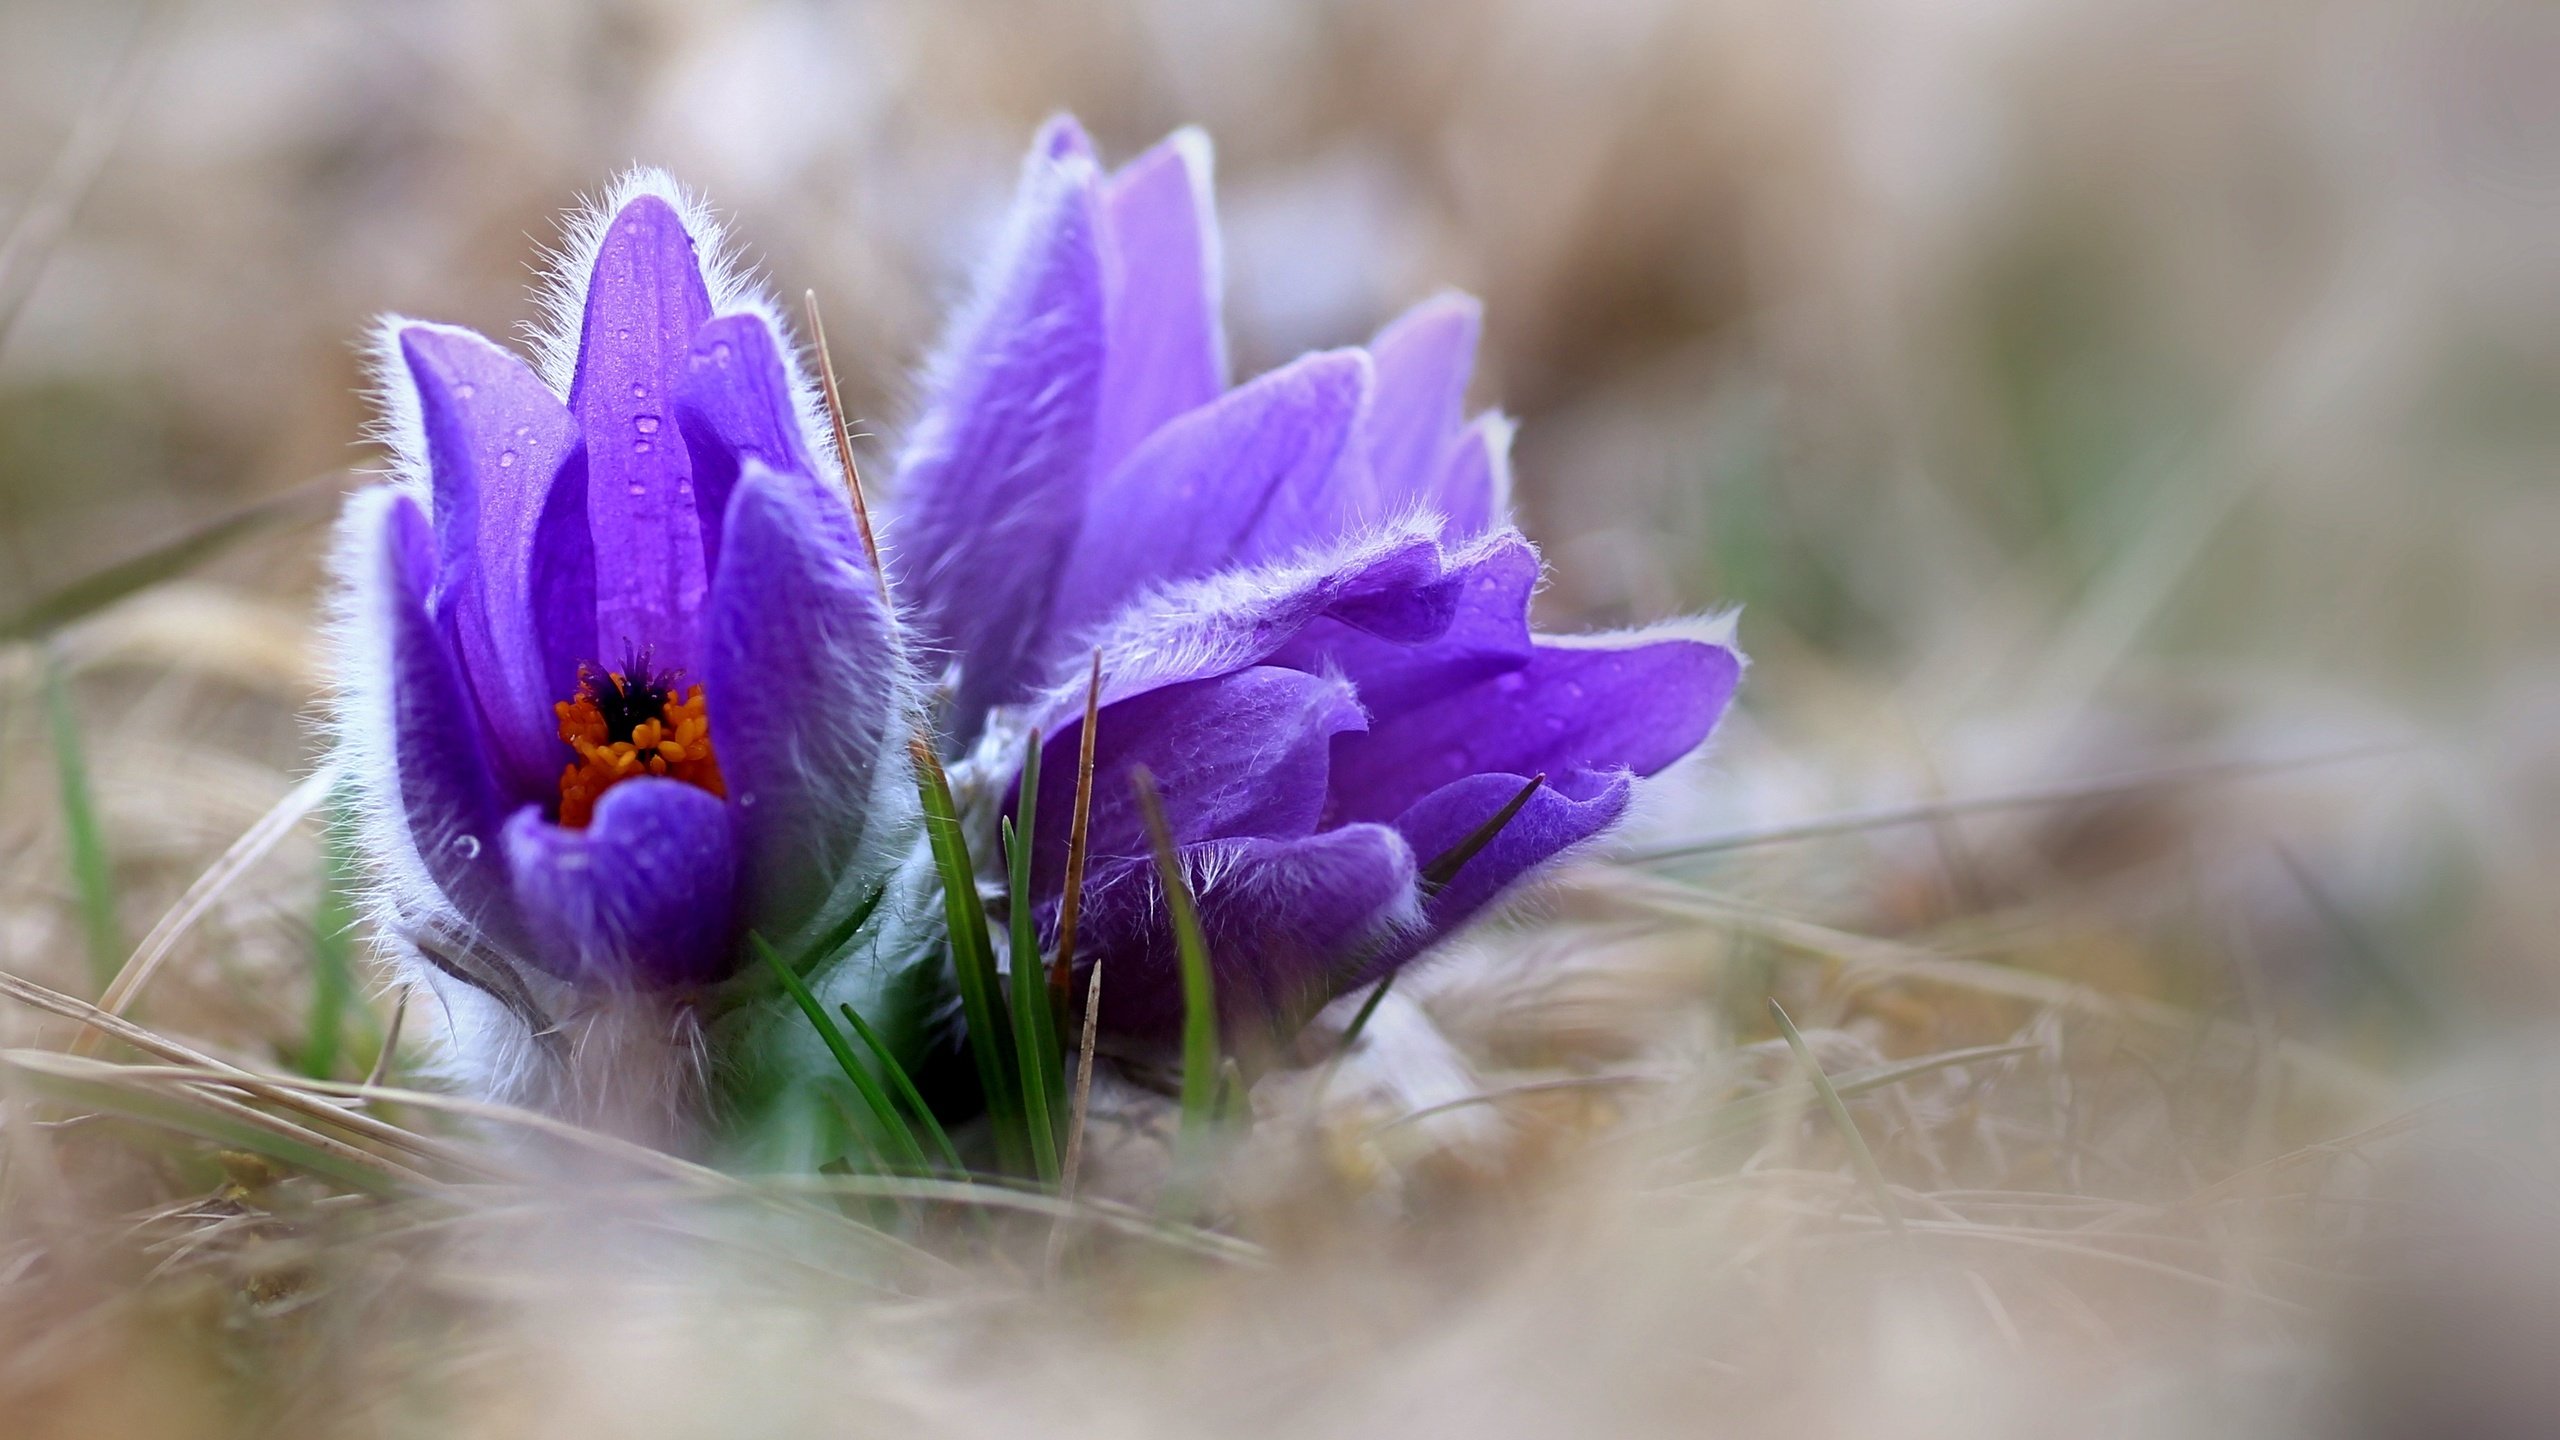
1312, 611
619, 684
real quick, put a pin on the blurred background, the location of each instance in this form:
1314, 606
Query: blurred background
2065, 390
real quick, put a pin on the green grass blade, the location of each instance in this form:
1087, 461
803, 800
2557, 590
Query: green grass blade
884, 1113
1199, 986
906, 1088
1035, 1030
333, 972
91, 873
96, 591
973, 963
1859, 1155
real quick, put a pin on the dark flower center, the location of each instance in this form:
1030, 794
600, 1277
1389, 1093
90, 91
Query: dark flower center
631, 722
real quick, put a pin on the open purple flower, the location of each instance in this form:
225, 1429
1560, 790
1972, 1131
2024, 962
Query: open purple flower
619, 683
1312, 612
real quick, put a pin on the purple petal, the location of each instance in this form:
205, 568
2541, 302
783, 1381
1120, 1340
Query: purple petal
1160, 259
1488, 635
1062, 137
1570, 809
735, 406
1397, 585
1602, 707
645, 301
1473, 493
1634, 708
641, 897
994, 479
1199, 494
448, 791
516, 576
1238, 755
1423, 359
1286, 922
807, 694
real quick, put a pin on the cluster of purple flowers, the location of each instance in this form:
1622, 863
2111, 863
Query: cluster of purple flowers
622, 684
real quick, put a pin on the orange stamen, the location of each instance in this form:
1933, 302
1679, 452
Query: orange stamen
676, 745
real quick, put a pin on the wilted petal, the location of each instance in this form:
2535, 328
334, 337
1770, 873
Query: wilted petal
1237, 755
516, 579
1167, 350
1204, 492
1424, 357
994, 479
446, 787
641, 897
645, 301
736, 407
810, 703
1570, 809
1285, 921
1632, 707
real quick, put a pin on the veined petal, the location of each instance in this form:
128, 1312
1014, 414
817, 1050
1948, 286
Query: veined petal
645, 302
641, 897
1284, 919
1167, 351
811, 704
1635, 707
993, 481
516, 574
1209, 490
736, 407
1424, 356
1570, 809
1235, 755
446, 789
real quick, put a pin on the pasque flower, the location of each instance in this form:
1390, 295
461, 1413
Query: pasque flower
618, 682
1311, 608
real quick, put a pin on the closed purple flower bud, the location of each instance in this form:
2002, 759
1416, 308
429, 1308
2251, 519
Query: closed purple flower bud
1311, 608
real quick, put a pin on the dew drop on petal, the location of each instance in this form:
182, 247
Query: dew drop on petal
640, 447
645, 424
506, 459
639, 391
638, 490
465, 390
469, 845
720, 351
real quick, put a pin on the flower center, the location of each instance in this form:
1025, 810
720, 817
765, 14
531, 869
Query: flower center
629, 722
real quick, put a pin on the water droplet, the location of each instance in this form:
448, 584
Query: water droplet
506, 459
1512, 683
1573, 690
720, 351
746, 799
524, 432
469, 845
639, 391
638, 490
641, 447
465, 390
621, 334
645, 424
